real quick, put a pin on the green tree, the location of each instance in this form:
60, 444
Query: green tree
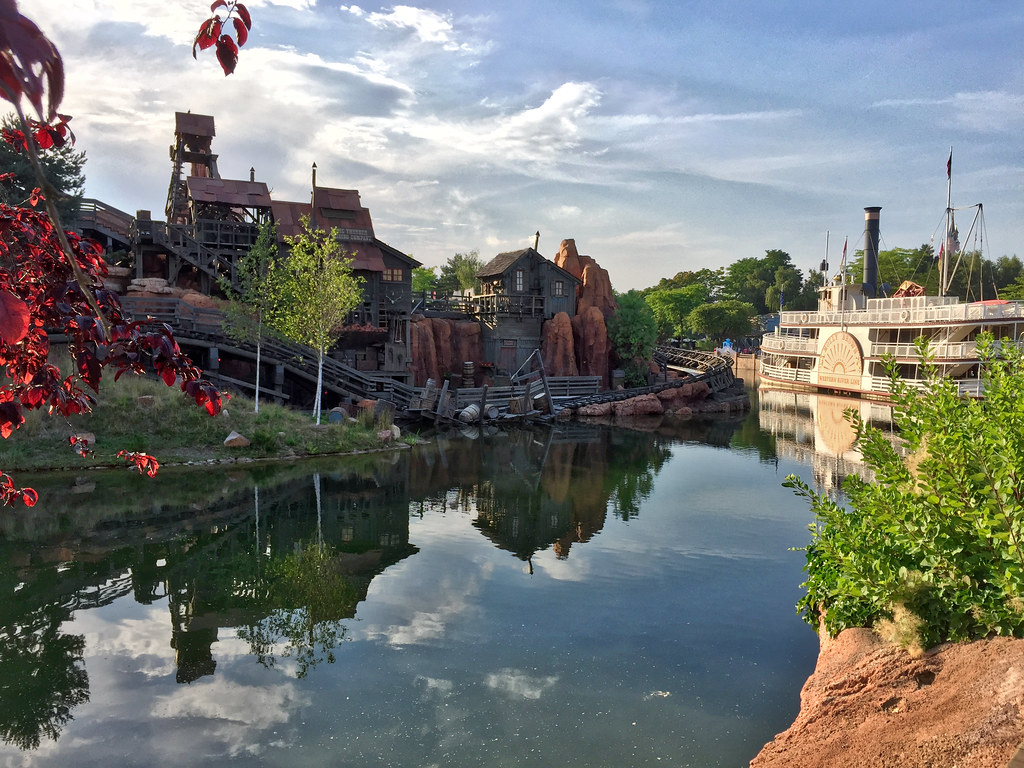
671, 306
63, 167
424, 279
314, 291
251, 297
722, 319
711, 279
459, 273
761, 281
933, 548
633, 331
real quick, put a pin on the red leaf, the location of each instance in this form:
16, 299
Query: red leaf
13, 318
218, 4
227, 54
30, 65
29, 496
207, 35
243, 14
168, 376
240, 32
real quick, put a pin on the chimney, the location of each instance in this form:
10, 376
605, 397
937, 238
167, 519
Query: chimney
252, 174
871, 216
536, 240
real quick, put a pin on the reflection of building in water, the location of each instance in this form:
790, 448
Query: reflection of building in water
812, 429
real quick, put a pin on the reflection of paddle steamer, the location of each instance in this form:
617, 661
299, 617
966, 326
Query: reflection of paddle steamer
841, 346
812, 429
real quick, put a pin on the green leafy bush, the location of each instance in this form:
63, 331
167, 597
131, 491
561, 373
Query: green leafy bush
938, 533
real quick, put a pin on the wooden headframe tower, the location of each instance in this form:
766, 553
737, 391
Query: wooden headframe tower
193, 138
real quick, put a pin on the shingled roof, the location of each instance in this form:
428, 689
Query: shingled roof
500, 263
335, 208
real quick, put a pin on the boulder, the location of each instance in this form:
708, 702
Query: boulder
644, 405
235, 440
593, 349
557, 348
872, 704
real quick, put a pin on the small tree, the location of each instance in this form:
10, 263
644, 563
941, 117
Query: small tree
633, 332
671, 306
252, 296
314, 291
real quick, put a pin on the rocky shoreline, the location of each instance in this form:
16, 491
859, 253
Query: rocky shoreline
871, 704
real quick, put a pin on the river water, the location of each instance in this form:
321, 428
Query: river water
575, 596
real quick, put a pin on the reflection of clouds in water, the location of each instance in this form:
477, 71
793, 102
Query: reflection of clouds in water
231, 717
453, 599
436, 685
519, 684
570, 569
141, 641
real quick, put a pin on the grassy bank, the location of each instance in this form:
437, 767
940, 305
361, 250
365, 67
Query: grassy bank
140, 414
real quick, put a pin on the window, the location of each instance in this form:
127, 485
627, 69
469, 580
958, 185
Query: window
520, 280
393, 275
558, 289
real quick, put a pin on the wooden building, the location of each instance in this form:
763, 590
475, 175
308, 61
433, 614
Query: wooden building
519, 291
386, 273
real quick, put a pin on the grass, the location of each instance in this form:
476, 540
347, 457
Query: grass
141, 414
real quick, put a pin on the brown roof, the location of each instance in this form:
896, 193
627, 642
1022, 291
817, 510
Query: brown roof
355, 231
243, 194
500, 263
193, 125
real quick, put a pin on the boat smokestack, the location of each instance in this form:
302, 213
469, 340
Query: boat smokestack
871, 217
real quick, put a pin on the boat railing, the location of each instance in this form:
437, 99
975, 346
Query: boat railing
913, 315
785, 373
961, 350
967, 387
785, 343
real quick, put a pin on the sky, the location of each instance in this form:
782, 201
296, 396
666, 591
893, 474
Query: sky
662, 136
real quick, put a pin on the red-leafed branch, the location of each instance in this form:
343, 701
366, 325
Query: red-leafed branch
211, 33
51, 280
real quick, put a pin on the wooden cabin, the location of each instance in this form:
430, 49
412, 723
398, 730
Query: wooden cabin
519, 291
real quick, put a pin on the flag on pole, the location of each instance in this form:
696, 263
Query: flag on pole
842, 262
949, 163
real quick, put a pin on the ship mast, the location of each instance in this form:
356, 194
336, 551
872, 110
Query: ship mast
944, 249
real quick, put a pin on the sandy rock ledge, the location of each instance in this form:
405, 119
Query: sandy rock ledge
870, 704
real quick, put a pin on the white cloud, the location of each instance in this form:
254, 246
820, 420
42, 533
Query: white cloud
983, 111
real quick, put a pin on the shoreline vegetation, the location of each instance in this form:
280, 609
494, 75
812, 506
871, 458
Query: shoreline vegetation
140, 414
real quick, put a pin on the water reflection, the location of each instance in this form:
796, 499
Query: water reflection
280, 561
812, 429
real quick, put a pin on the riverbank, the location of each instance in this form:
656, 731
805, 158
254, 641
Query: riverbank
872, 704
137, 414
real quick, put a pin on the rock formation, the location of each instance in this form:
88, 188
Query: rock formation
593, 350
871, 704
439, 346
557, 347
422, 352
596, 290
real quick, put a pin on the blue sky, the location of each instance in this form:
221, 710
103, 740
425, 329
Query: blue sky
662, 136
